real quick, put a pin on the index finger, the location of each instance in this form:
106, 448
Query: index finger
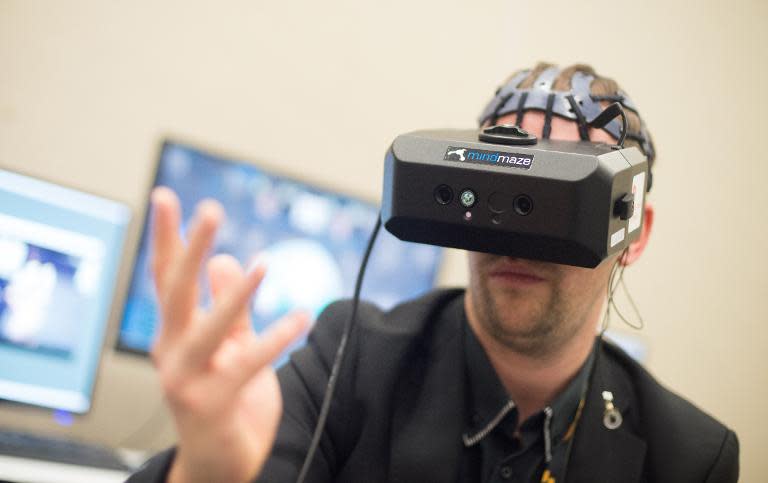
166, 241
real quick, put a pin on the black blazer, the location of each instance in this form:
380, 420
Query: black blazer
399, 409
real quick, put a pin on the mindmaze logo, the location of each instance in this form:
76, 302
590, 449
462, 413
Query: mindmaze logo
495, 158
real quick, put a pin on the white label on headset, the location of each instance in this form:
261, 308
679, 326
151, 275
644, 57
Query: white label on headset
495, 158
617, 238
638, 190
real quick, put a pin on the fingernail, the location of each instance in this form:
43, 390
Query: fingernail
209, 208
257, 262
156, 194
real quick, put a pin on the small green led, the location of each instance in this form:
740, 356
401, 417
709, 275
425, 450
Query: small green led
468, 198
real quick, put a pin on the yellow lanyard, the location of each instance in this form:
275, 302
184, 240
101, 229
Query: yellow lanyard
547, 477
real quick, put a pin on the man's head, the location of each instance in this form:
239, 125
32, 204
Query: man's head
536, 308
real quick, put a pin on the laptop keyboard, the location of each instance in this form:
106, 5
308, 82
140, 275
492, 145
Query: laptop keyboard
60, 450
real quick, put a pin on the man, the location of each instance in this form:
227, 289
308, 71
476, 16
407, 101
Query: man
505, 381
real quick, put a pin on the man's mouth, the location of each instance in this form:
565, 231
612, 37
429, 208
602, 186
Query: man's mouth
513, 271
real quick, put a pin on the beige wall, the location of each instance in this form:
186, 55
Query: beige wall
88, 88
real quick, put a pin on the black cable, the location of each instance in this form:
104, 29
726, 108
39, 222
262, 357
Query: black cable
339, 359
607, 115
624, 125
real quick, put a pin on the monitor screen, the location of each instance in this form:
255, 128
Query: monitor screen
60, 251
312, 239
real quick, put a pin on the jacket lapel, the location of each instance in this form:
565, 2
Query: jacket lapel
430, 408
600, 454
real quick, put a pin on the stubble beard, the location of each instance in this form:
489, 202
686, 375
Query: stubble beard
540, 334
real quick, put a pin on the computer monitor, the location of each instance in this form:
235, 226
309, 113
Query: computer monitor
60, 251
313, 240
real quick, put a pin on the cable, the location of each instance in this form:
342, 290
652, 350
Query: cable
606, 116
624, 126
613, 284
611, 289
640, 323
329, 389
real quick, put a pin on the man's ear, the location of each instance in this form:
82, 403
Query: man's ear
637, 247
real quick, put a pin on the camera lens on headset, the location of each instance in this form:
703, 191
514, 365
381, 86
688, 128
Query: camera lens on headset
443, 194
523, 205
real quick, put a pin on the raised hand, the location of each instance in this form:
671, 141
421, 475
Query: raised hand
214, 369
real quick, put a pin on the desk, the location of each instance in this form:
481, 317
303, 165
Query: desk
23, 470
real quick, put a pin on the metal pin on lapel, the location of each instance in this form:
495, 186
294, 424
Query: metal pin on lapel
612, 417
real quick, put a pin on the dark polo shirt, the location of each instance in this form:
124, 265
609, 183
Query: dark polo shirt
497, 447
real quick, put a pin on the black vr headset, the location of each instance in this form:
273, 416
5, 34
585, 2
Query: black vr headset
501, 190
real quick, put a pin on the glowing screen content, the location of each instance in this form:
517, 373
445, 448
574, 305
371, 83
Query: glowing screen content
60, 251
312, 240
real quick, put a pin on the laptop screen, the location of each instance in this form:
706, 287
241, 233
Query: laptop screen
313, 240
60, 251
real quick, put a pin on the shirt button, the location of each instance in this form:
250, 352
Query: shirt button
506, 472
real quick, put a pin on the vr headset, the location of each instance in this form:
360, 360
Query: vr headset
501, 190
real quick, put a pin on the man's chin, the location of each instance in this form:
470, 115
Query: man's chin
519, 308
528, 341
524, 331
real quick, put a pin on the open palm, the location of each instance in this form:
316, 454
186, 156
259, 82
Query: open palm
214, 369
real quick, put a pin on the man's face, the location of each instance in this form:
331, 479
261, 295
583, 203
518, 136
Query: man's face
530, 306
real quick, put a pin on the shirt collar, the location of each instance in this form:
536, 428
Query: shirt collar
489, 403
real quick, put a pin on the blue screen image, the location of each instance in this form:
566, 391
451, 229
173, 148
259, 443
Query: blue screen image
59, 256
311, 239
